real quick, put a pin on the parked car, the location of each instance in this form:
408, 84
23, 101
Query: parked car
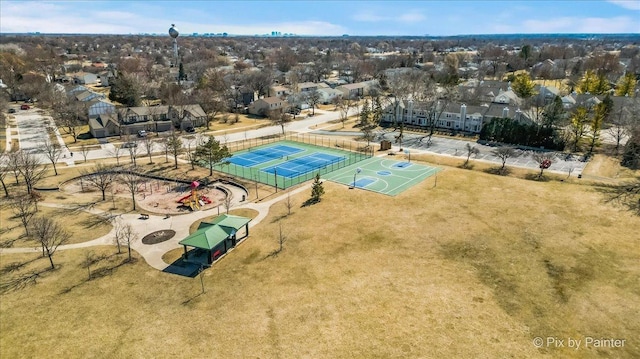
142, 133
25, 107
130, 145
12, 110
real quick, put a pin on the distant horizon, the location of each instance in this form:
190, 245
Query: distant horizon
36, 33
322, 18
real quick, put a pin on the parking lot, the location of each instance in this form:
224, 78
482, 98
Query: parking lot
457, 148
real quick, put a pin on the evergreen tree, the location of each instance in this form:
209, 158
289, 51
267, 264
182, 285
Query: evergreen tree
523, 86
317, 190
125, 91
212, 153
365, 113
181, 75
554, 113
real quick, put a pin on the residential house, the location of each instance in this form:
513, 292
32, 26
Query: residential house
579, 99
454, 117
85, 96
507, 98
99, 107
306, 87
261, 107
130, 120
355, 90
85, 78
328, 94
279, 91
547, 93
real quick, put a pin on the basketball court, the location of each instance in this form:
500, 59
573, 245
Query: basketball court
382, 175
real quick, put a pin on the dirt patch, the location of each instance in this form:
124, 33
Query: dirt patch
158, 236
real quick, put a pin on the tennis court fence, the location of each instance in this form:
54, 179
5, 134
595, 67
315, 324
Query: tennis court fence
351, 152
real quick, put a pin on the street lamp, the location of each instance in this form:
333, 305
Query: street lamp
358, 170
275, 177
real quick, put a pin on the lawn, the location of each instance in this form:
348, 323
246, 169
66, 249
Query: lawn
84, 226
474, 268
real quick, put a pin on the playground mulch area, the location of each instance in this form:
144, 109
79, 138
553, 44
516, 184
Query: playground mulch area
154, 196
383, 175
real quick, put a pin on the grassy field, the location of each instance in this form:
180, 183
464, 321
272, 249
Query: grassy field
84, 226
474, 268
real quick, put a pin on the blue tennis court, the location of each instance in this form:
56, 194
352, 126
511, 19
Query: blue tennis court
305, 164
262, 155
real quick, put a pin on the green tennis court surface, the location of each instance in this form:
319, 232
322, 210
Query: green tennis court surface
382, 175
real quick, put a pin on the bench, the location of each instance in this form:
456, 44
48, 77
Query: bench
144, 216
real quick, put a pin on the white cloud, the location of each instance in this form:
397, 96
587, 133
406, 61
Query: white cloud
627, 4
410, 16
620, 24
368, 17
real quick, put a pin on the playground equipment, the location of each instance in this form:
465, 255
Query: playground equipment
193, 200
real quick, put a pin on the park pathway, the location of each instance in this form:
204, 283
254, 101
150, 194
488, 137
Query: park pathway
152, 254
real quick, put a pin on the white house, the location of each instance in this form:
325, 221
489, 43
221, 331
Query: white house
85, 78
328, 94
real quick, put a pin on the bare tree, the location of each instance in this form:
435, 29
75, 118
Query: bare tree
148, 147
125, 235
131, 180
313, 98
53, 151
116, 152
84, 150
174, 144
13, 164
504, 153
281, 239
626, 194
23, 207
166, 147
288, 203
544, 161
279, 118
619, 129
100, 177
228, 202
132, 147
4, 169
50, 234
30, 169
345, 105
471, 150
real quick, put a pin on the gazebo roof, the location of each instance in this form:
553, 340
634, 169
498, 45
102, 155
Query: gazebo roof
211, 234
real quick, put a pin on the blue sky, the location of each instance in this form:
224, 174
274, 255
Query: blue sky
322, 17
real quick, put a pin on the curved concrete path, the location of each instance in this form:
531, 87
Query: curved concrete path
152, 254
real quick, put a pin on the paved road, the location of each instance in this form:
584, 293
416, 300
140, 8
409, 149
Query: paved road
32, 128
179, 223
32, 131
